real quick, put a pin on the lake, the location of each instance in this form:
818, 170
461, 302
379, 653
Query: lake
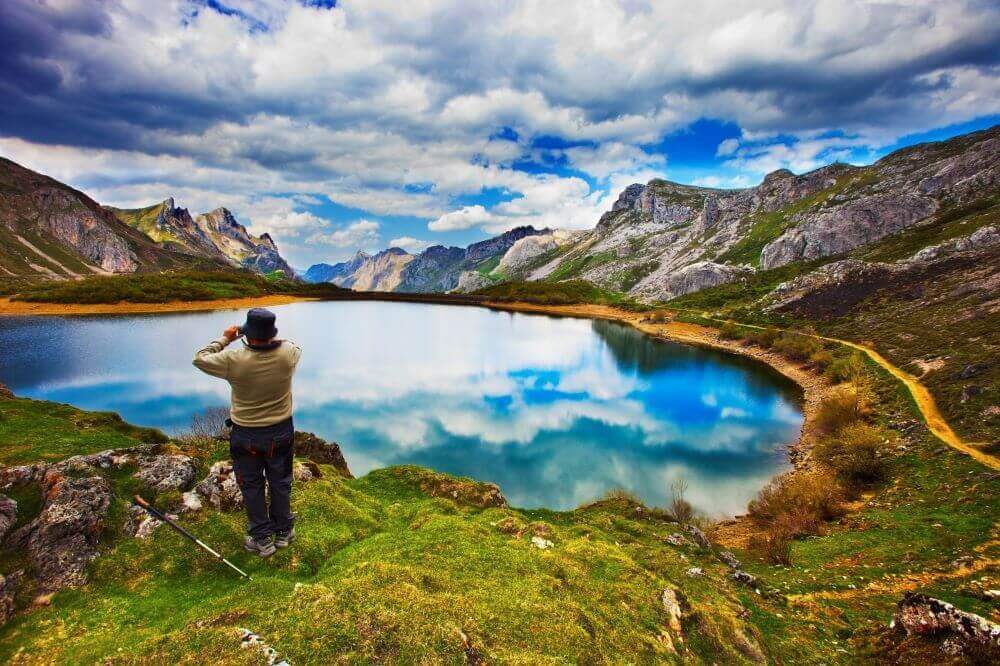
555, 410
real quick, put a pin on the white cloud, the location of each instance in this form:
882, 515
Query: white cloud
463, 218
362, 233
410, 244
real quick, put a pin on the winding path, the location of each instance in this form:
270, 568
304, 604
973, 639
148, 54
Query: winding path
928, 408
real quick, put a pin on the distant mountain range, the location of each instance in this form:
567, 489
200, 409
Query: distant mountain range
436, 269
50, 230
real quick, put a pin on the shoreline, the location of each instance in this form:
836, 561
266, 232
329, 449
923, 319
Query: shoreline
9, 308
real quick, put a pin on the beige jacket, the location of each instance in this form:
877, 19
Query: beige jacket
261, 380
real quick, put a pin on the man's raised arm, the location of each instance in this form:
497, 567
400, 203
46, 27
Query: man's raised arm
210, 358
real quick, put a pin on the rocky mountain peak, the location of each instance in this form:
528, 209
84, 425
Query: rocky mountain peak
777, 175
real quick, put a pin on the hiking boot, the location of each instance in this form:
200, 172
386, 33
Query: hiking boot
282, 539
263, 547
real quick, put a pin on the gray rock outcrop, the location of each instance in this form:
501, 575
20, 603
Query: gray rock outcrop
470, 281
923, 615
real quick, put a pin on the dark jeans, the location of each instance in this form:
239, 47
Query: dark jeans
263, 457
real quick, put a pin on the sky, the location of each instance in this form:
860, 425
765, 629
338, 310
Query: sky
339, 126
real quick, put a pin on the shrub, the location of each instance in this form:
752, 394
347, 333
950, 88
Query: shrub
855, 454
846, 404
762, 338
680, 509
821, 360
847, 369
659, 317
796, 347
801, 501
729, 331
773, 545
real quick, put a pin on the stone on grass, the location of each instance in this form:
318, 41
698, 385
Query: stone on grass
8, 588
8, 515
166, 472
672, 607
728, 559
922, 615
698, 536
540, 543
219, 488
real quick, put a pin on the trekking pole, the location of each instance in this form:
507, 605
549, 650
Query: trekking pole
159, 516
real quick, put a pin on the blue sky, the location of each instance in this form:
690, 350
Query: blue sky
355, 125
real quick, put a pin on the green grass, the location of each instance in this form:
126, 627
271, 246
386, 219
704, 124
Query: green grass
487, 266
576, 266
33, 431
170, 286
569, 292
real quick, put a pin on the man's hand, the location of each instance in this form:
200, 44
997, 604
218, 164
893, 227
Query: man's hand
231, 333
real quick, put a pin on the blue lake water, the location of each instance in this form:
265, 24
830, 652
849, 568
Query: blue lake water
556, 411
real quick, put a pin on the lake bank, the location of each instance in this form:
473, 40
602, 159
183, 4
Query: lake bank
13, 308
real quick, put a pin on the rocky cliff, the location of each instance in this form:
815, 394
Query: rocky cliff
662, 239
51, 230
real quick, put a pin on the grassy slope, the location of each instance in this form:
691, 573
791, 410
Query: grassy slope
163, 287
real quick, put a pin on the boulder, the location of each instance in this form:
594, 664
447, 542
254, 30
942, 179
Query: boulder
923, 615
166, 472
308, 445
691, 278
672, 607
5, 393
743, 578
8, 515
64, 538
728, 559
219, 488
8, 588
307, 470
698, 536
141, 525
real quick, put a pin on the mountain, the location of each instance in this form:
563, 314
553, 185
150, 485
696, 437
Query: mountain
336, 273
216, 235
662, 239
436, 269
48, 229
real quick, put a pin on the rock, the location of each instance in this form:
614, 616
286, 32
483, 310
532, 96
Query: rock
679, 540
846, 227
972, 370
698, 536
64, 538
971, 391
8, 588
511, 525
952, 647
963, 562
306, 470
695, 572
922, 615
5, 393
166, 472
219, 488
982, 237
540, 529
469, 281
308, 445
540, 543
8, 515
672, 607
728, 559
692, 278
744, 578
465, 491
190, 502
629, 196
141, 525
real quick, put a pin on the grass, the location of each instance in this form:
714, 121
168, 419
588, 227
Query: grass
576, 266
32, 430
569, 292
170, 286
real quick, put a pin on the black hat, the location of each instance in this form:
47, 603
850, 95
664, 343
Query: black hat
259, 325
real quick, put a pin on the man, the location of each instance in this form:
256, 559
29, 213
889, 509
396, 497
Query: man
260, 375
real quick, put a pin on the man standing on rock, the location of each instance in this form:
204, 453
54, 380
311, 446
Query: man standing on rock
260, 375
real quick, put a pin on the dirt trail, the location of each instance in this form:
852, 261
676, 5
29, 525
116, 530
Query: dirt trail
932, 416
22, 308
